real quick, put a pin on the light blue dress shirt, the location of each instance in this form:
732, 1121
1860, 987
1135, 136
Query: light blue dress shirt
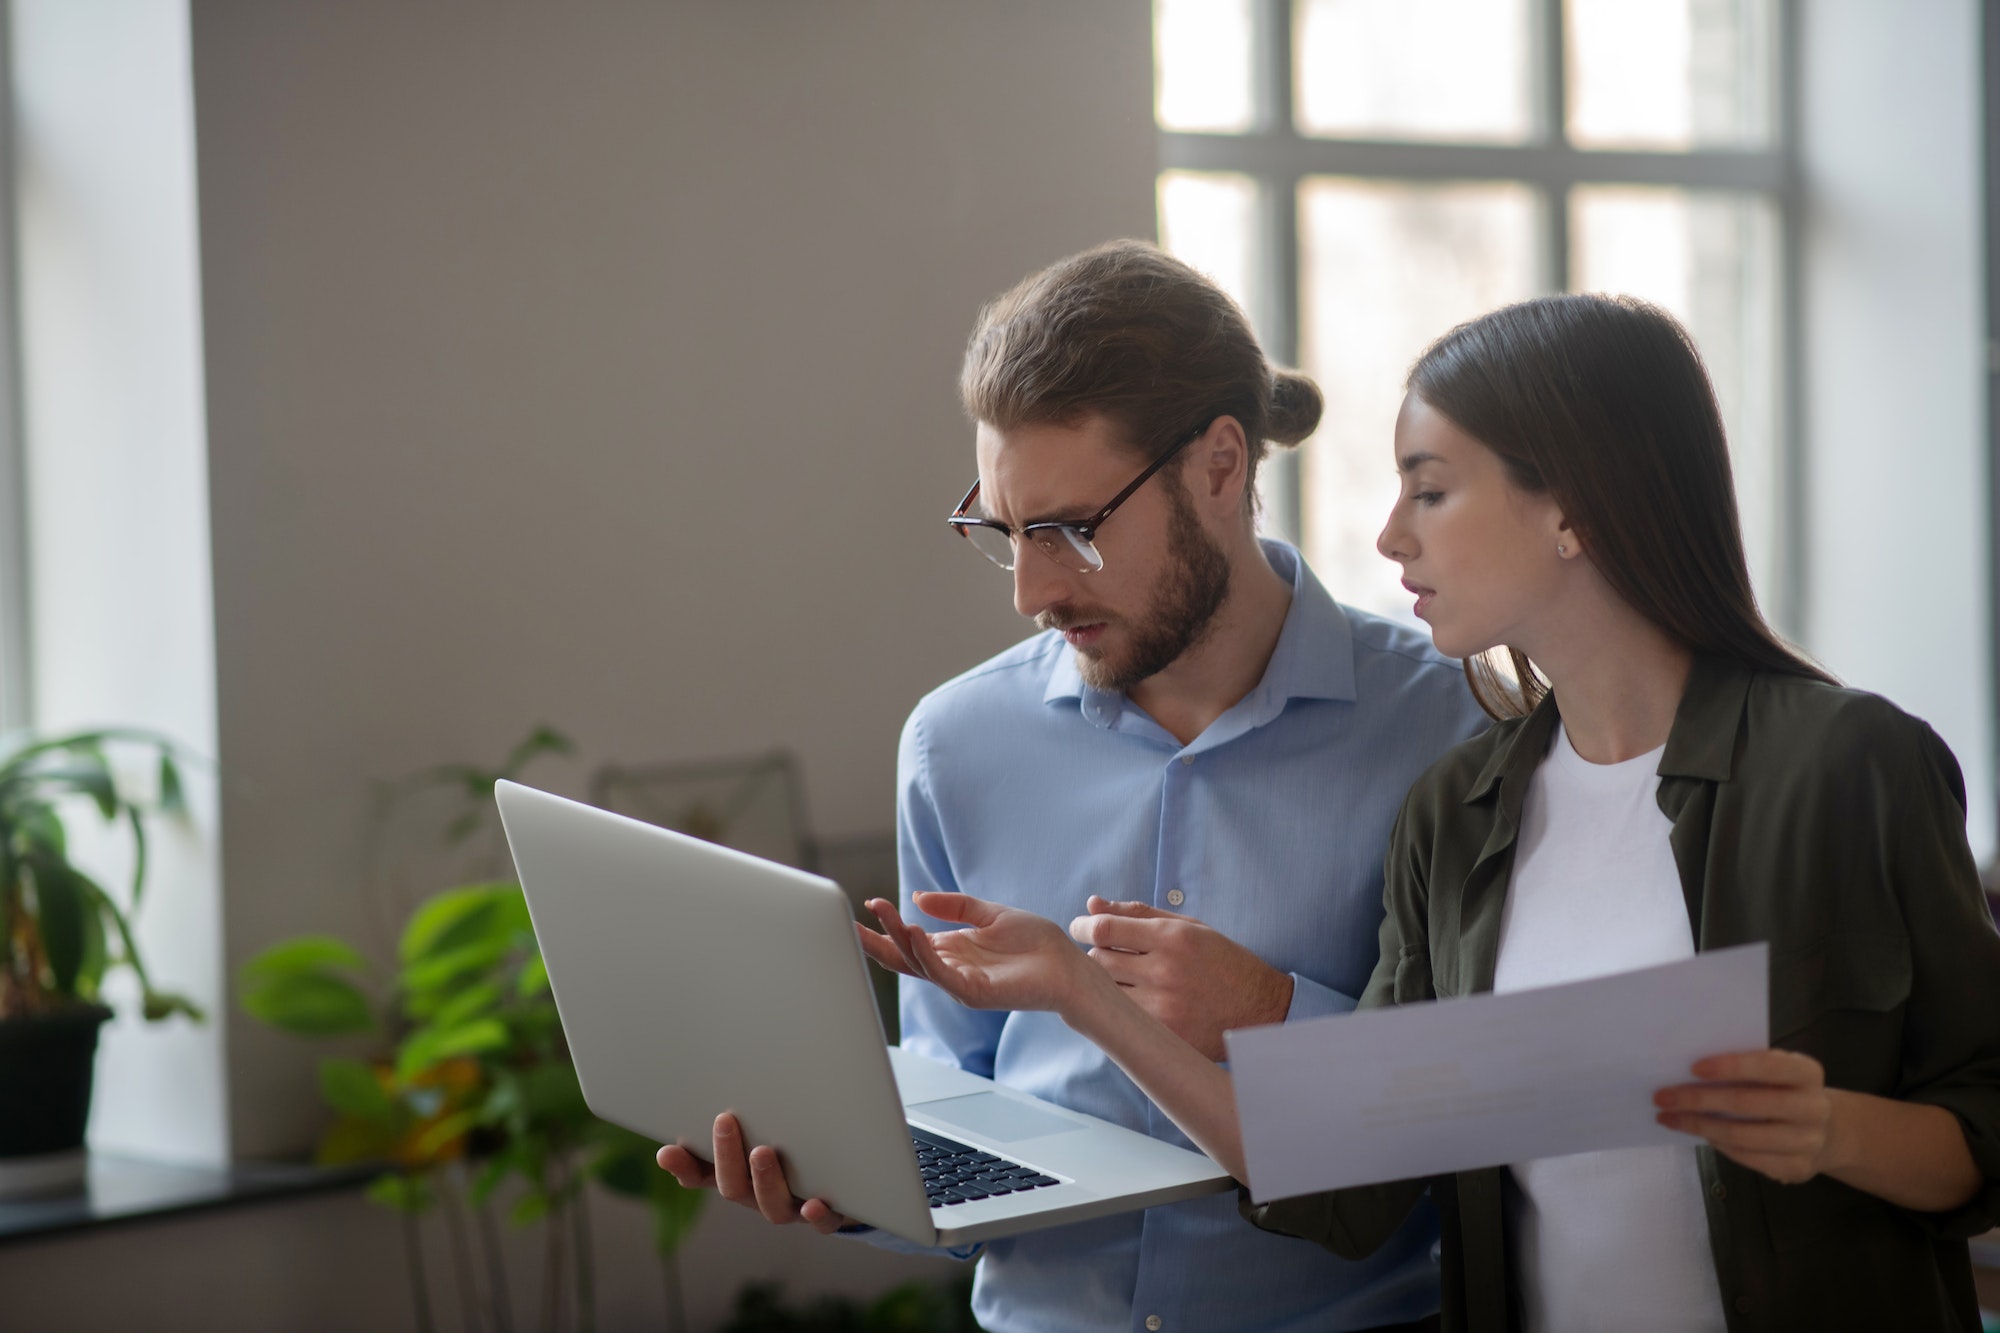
1019, 783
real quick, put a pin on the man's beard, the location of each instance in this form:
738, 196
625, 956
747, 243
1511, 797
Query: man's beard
1182, 613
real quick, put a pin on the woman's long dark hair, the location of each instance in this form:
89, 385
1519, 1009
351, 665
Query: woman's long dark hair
1603, 404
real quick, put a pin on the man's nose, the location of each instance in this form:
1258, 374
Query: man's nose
1039, 583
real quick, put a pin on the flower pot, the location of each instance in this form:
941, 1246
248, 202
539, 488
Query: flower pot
46, 1063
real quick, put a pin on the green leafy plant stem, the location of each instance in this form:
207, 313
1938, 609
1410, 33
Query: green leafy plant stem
586, 1276
470, 1298
420, 1286
496, 1268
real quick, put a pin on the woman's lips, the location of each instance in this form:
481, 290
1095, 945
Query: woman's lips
1423, 595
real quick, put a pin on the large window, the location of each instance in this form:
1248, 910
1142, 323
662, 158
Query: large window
1363, 174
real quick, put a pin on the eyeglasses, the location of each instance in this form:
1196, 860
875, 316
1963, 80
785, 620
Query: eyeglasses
1071, 545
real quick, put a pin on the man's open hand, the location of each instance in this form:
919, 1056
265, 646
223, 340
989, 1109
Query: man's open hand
1008, 959
1191, 977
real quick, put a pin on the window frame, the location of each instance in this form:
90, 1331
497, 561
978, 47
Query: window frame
16, 660
1277, 157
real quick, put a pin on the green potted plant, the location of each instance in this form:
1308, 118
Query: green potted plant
62, 932
475, 1089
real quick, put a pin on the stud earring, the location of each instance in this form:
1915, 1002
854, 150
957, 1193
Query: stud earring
1562, 550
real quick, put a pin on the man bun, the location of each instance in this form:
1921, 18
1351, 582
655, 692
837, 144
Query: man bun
1296, 405
1127, 331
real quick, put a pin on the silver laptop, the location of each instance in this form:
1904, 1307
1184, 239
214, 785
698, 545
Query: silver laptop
693, 979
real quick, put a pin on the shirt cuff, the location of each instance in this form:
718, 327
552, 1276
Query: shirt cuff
1312, 1000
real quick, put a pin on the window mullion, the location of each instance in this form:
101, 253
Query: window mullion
1284, 487
1551, 70
1267, 153
1554, 76
1278, 184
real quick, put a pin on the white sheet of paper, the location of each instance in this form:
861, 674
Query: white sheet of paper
1455, 1085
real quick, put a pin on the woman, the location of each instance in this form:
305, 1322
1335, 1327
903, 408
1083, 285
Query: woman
1667, 776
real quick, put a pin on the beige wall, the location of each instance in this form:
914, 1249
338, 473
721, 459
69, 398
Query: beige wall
336, 1264
587, 363
595, 364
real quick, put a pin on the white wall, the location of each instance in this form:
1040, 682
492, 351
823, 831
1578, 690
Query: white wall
1894, 365
122, 628
596, 365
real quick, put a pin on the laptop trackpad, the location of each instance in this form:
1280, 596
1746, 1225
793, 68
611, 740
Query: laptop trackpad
999, 1118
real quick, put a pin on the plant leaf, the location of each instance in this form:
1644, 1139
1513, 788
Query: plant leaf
73, 741
303, 953
447, 969
534, 978
158, 1005
92, 778
402, 1193
467, 1005
96, 954
542, 740
490, 1175
60, 906
173, 796
138, 826
350, 1140
530, 1209
623, 1162
354, 1089
551, 1092
309, 1004
459, 917
445, 1133
427, 1046
624, 1173
39, 830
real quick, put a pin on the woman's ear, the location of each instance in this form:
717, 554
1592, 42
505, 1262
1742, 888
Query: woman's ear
1567, 545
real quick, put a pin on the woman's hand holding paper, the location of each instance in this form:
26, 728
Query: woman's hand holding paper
1772, 1112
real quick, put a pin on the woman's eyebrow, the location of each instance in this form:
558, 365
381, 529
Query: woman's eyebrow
1411, 462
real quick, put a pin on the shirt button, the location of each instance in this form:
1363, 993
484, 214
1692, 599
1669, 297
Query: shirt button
1743, 1304
1175, 897
1719, 1190
1185, 759
1153, 1320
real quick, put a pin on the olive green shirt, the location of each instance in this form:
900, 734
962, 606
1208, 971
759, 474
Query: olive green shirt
1822, 820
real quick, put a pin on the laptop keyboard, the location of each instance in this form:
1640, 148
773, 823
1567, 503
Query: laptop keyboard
955, 1172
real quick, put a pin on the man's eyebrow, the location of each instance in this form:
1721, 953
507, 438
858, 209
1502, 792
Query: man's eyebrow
1411, 462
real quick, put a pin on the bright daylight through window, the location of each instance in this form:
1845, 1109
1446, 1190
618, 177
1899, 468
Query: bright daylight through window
1363, 174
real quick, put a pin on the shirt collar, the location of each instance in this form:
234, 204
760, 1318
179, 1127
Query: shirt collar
1313, 659
1700, 744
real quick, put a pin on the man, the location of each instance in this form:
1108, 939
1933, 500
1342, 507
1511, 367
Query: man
1199, 760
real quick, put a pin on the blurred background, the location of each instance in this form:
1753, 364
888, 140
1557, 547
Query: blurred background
383, 380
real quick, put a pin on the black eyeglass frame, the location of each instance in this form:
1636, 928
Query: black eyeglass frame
1084, 528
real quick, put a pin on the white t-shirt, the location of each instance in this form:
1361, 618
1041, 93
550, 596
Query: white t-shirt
1605, 1240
